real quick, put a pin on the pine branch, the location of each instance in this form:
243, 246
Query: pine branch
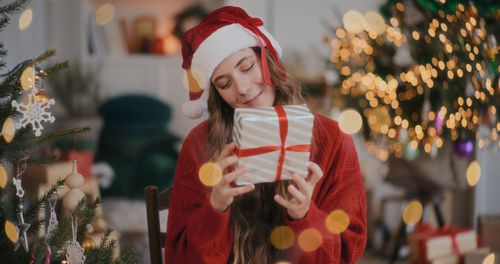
14, 7
25, 141
129, 256
103, 253
56, 67
47, 54
4, 20
39, 204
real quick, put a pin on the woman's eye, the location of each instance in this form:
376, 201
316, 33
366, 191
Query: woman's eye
248, 68
225, 85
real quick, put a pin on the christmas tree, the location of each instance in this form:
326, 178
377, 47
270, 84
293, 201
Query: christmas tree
423, 76
24, 110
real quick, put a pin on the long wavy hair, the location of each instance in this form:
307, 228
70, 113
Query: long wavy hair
254, 214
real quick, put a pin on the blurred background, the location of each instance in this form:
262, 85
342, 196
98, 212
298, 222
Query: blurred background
415, 82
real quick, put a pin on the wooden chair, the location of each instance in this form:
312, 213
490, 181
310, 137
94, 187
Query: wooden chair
156, 202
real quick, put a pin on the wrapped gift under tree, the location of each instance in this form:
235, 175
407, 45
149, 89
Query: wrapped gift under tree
272, 142
443, 245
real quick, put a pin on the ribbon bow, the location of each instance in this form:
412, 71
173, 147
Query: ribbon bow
283, 127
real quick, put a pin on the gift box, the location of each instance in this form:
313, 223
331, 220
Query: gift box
84, 160
272, 142
428, 244
476, 256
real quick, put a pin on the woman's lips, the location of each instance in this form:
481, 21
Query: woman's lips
253, 100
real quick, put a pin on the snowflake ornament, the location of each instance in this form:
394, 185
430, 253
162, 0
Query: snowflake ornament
34, 112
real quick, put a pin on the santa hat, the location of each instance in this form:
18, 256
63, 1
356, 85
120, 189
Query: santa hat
222, 33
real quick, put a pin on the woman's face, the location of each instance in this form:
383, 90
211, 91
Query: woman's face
239, 81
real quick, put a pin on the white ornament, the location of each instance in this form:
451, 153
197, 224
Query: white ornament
73, 248
34, 112
52, 226
74, 181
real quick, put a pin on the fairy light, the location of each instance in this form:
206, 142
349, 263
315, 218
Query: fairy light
282, 237
310, 240
337, 221
412, 212
473, 173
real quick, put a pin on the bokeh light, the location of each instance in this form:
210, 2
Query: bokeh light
350, 121
310, 240
282, 237
25, 19
11, 231
104, 14
8, 130
353, 21
413, 212
210, 174
28, 78
337, 221
473, 173
374, 22
490, 259
3, 177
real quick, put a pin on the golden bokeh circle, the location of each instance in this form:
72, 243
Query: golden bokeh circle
28, 78
282, 237
310, 240
413, 212
353, 21
8, 130
104, 14
490, 259
374, 22
473, 173
25, 19
3, 177
337, 221
12, 231
350, 121
210, 174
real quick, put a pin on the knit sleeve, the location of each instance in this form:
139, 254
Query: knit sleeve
340, 188
196, 233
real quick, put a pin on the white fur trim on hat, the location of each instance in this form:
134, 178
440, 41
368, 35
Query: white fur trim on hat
194, 109
221, 44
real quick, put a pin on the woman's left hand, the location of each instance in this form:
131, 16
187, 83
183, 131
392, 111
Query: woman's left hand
301, 192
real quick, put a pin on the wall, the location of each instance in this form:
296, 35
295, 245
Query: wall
29, 43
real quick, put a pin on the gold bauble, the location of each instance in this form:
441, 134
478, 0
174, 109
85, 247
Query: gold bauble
87, 242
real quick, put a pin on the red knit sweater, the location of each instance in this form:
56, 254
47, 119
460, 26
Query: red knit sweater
196, 233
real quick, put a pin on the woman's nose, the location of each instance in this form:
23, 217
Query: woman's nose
242, 86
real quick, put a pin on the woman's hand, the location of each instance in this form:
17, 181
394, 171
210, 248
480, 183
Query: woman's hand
223, 194
301, 192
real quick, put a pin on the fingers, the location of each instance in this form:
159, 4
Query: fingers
316, 173
226, 162
285, 203
226, 151
233, 175
297, 195
240, 190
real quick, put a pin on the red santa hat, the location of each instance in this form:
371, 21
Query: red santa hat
223, 32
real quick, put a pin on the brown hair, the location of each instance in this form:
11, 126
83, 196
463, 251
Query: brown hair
254, 214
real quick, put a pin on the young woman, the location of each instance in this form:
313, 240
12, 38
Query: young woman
232, 56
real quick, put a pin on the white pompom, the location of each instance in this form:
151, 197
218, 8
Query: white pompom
194, 109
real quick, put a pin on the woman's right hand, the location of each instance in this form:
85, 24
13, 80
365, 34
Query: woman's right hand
222, 193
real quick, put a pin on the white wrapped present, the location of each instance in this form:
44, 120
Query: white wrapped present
272, 142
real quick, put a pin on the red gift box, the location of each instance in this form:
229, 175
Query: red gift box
84, 160
428, 243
